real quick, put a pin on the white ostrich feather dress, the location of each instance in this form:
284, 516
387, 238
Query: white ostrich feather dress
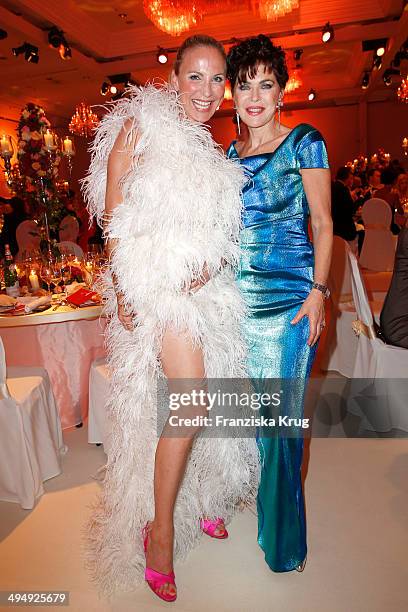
181, 209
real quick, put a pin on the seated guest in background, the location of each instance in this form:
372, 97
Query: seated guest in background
394, 315
14, 213
343, 207
374, 182
387, 193
401, 188
397, 167
358, 195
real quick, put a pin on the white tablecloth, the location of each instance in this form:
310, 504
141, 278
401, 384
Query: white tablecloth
65, 348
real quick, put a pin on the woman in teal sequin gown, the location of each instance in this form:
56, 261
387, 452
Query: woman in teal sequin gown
288, 176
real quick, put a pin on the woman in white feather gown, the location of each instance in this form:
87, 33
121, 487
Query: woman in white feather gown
170, 205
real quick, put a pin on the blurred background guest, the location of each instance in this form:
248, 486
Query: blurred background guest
394, 315
374, 182
387, 193
343, 206
13, 211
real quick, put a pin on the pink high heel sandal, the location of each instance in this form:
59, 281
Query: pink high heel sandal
156, 579
209, 527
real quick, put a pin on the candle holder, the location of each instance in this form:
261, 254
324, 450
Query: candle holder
68, 151
6, 153
405, 145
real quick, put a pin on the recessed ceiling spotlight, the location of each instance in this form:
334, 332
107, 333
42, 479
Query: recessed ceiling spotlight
312, 95
365, 81
162, 56
113, 89
327, 33
297, 54
123, 15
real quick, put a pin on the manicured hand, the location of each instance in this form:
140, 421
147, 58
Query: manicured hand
313, 308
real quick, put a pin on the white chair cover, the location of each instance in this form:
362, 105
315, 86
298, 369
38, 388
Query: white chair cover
72, 247
68, 229
31, 440
341, 343
379, 245
99, 380
383, 367
28, 238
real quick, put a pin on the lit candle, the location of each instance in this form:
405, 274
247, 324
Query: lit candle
68, 146
48, 139
5, 145
35, 285
405, 142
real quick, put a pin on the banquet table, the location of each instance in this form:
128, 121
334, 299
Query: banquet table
64, 342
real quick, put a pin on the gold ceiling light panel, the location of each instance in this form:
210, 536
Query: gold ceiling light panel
83, 121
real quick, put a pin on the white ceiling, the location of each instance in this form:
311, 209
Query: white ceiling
103, 43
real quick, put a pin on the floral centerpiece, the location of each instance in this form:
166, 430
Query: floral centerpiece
38, 168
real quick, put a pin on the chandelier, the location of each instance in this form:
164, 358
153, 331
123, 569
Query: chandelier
402, 91
271, 10
83, 121
293, 83
177, 16
173, 16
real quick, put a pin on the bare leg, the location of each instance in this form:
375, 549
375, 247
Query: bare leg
179, 361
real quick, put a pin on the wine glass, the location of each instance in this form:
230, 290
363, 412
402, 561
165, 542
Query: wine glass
46, 274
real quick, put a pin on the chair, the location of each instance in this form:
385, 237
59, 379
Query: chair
341, 343
28, 238
70, 247
379, 245
99, 380
31, 440
381, 369
68, 229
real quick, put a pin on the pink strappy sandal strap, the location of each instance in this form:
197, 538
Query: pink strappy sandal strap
156, 579
210, 527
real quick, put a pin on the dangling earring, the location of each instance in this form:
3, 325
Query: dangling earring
238, 123
279, 106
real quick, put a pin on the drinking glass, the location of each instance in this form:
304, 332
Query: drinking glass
46, 273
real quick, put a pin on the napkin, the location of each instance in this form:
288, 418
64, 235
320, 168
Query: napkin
31, 303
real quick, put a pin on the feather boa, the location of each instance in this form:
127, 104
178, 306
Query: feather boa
181, 209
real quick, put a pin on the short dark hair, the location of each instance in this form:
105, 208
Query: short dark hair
245, 57
343, 173
388, 176
197, 40
371, 172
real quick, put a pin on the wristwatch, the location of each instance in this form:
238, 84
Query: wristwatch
323, 288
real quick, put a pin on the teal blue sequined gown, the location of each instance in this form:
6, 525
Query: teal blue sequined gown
275, 277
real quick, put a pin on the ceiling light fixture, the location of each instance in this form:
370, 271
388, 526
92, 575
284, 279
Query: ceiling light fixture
297, 54
388, 74
30, 52
312, 95
162, 56
377, 63
3, 34
58, 41
113, 89
327, 33
104, 88
365, 80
